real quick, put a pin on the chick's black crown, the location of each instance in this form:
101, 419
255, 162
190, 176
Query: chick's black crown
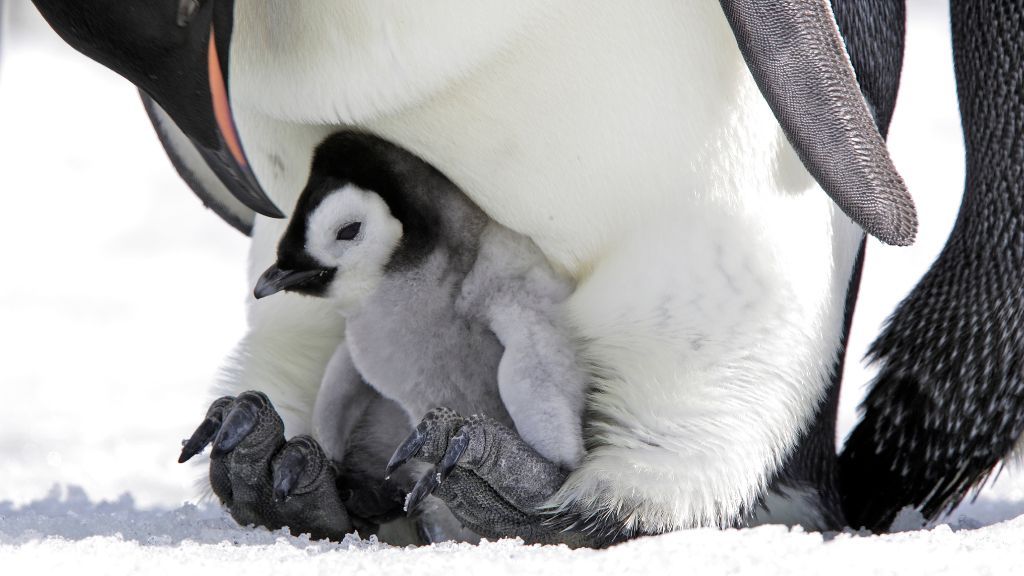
377, 166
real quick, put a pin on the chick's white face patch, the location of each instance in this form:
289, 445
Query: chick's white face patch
359, 260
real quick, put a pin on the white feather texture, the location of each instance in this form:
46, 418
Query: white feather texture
709, 359
290, 338
631, 144
360, 261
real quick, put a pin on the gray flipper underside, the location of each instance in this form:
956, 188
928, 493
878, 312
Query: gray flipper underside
796, 55
195, 170
948, 402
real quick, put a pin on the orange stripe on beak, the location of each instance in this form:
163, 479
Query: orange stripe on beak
221, 107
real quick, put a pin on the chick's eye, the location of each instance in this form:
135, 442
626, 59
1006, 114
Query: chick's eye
349, 231
186, 10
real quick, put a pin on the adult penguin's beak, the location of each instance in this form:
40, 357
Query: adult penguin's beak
176, 52
227, 158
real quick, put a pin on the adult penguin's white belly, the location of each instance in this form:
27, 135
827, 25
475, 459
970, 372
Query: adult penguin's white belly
631, 143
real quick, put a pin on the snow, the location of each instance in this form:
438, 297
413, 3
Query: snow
122, 296
116, 538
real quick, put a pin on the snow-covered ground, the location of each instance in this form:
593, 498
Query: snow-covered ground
121, 295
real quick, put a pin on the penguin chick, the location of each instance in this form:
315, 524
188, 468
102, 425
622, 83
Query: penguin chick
443, 306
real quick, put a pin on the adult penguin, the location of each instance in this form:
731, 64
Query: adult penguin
713, 318
948, 403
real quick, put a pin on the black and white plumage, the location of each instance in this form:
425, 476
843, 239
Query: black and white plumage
577, 151
601, 172
948, 402
806, 492
442, 306
713, 319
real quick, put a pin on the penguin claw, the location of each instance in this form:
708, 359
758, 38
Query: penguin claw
298, 468
429, 441
237, 425
425, 487
262, 479
205, 431
199, 439
490, 479
287, 472
429, 483
409, 448
456, 448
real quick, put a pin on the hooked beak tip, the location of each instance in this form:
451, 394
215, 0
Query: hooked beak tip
263, 291
270, 282
276, 279
254, 196
246, 188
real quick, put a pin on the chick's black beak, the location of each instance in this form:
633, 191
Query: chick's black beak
276, 279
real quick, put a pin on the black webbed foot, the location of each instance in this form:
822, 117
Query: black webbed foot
488, 476
263, 479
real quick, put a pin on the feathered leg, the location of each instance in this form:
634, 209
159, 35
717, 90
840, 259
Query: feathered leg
948, 403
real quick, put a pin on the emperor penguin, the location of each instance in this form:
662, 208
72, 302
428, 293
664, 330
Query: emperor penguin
669, 160
443, 307
947, 405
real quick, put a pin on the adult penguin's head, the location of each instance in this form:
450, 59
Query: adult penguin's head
176, 51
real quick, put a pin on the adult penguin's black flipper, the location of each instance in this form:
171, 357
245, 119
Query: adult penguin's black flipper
948, 403
873, 31
796, 55
198, 169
